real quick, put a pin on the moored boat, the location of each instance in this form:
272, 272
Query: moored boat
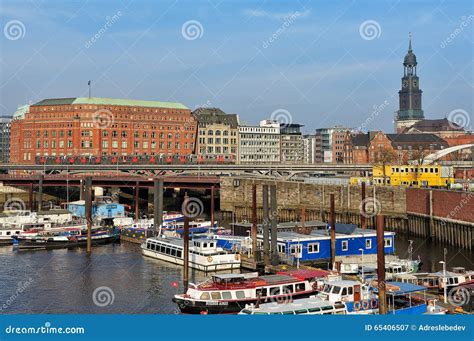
303, 306
204, 254
70, 238
230, 293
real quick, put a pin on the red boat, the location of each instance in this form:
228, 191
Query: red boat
229, 293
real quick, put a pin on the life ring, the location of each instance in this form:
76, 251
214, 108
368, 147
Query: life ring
373, 303
209, 259
365, 305
357, 305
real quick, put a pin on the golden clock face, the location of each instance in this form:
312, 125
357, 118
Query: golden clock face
405, 83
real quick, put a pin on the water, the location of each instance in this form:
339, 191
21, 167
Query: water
64, 281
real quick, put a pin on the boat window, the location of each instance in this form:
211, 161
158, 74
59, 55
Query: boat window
349, 291
262, 292
8, 233
167, 251
345, 245
336, 289
299, 287
301, 311
288, 289
173, 252
327, 289
368, 243
240, 294
204, 245
245, 311
216, 295
227, 295
205, 296
288, 313
344, 291
388, 242
314, 310
211, 244
179, 254
162, 248
274, 291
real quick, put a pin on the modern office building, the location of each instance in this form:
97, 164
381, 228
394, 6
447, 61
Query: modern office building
326, 139
309, 149
291, 143
5, 125
259, 144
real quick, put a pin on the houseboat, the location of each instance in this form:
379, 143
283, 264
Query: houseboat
204, 254
316, 246
303, 306
230, 293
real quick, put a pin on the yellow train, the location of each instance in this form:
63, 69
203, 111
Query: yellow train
409, 175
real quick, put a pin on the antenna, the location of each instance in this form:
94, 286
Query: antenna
89, 84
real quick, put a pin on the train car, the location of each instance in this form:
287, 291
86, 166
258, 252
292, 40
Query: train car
161, 159
414, 175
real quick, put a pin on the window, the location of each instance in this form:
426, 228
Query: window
345, 245
288, 289
226, 295
216, 295
388, 242
313, 248
274, 291
205, 296
281, 248
368, 243
240, 294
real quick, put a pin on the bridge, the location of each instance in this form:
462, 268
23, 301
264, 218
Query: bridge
443, 152
268, 170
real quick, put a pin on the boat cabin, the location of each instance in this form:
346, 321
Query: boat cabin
404, 298
424, 279
302, 306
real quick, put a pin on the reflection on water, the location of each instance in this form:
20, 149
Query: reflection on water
63, 281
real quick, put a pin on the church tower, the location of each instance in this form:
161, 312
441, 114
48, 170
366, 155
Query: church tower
410, 110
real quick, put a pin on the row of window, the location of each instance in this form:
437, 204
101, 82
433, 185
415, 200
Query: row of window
217, 132
314, 247
165, 249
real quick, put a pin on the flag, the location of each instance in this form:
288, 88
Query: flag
89, 83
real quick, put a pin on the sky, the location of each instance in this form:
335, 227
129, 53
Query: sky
317, 63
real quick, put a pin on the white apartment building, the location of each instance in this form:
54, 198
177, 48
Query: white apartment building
259, 144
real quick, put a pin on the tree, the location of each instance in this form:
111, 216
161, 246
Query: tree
382, 157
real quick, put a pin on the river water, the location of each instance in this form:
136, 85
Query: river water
118, 279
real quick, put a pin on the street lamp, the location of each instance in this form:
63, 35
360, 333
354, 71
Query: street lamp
362, 251
444, 281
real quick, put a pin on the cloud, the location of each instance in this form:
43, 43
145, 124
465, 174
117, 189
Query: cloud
258, 13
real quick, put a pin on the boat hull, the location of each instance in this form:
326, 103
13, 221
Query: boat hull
39, 244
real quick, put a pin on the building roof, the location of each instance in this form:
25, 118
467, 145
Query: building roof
360, 140
436, 125
404, 288
401, 140
215, 116
110, 101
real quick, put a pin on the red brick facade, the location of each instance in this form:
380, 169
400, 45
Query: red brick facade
99, 130
446, 204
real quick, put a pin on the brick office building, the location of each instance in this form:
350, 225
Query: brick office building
102, 127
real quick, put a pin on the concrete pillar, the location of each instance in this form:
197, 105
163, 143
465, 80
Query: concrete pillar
274, 219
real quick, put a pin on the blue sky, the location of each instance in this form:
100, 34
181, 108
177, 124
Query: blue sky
249, 57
